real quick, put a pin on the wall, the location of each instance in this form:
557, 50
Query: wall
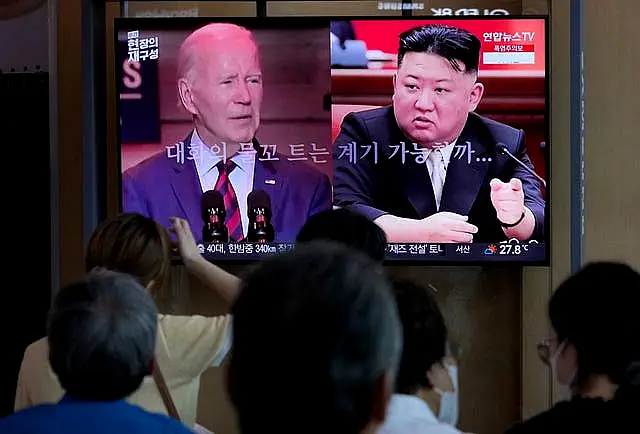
612, 160
25, 39
24, 94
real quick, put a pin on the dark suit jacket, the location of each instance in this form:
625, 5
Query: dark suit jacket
404, 190
71, 416
160, 188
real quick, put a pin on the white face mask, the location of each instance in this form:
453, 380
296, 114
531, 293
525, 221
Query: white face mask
564, 390
449, 400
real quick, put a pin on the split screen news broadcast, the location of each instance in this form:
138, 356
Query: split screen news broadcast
435, 129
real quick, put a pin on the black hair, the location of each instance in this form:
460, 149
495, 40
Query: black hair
424, 335
318, 328
346, 227
452, 43
596, 310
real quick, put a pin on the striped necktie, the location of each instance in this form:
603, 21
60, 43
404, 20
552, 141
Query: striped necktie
224, 187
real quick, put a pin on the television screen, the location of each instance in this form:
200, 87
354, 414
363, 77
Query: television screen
435, 129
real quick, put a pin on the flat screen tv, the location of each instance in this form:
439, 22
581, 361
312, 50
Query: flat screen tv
436, 129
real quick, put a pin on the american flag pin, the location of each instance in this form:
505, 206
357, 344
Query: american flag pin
270, 181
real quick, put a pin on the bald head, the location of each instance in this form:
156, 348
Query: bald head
220, 83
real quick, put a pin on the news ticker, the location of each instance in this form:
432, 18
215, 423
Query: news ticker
476, 252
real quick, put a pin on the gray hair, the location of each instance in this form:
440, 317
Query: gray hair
325, 318
102, 334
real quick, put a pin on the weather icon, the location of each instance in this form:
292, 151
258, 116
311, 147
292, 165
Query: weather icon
491, 250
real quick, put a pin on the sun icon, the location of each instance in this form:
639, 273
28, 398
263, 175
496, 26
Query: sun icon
493, 248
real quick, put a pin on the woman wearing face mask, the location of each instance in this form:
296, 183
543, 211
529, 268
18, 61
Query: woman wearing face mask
425, 399
594, 353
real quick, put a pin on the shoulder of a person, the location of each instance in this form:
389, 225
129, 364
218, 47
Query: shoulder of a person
38, 346
152, 164
171, 425
497, 130
372, 114
566, 414
377, 124
29, 416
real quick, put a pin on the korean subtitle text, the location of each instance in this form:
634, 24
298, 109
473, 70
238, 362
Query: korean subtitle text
463, 249
269, 153
302, 152
148, 48
462, 149
133, 46
195, 152
350, 151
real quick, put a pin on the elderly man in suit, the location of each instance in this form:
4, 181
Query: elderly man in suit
220, 85
431, 169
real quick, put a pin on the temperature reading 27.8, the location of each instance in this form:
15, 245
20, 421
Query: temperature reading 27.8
511, 249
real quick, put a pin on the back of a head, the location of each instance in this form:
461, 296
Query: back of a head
346, 227
131, 243
318, 328
424, 335
102, 334
596, 310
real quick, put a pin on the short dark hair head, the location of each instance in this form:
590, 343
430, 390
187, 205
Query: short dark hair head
317, 326
102, 335
452, 43
596, 311
131, 243
424, 335
346, 227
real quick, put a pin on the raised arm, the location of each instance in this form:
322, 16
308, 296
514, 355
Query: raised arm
225, 283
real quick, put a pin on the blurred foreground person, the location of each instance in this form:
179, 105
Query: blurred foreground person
187, 345
102, 335
426, 394
594, 353
325, 315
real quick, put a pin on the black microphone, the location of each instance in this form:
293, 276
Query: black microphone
502, 148
213, 215
259, 210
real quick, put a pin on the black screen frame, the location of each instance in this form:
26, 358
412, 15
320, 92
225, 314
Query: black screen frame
186, 23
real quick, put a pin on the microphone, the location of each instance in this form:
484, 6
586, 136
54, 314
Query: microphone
213, 215
502, 148
259, 210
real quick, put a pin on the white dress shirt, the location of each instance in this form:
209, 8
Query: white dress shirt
446, 158
408, 414
241, 178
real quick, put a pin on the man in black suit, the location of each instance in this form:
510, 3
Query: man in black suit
426, 168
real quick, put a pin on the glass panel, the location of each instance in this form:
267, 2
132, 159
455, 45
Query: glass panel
332, 8
190, 9
536, 7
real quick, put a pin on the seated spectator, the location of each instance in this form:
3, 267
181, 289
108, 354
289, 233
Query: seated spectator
594, 352
346, 227
102, 335
425, 399
187, 345
325, 316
